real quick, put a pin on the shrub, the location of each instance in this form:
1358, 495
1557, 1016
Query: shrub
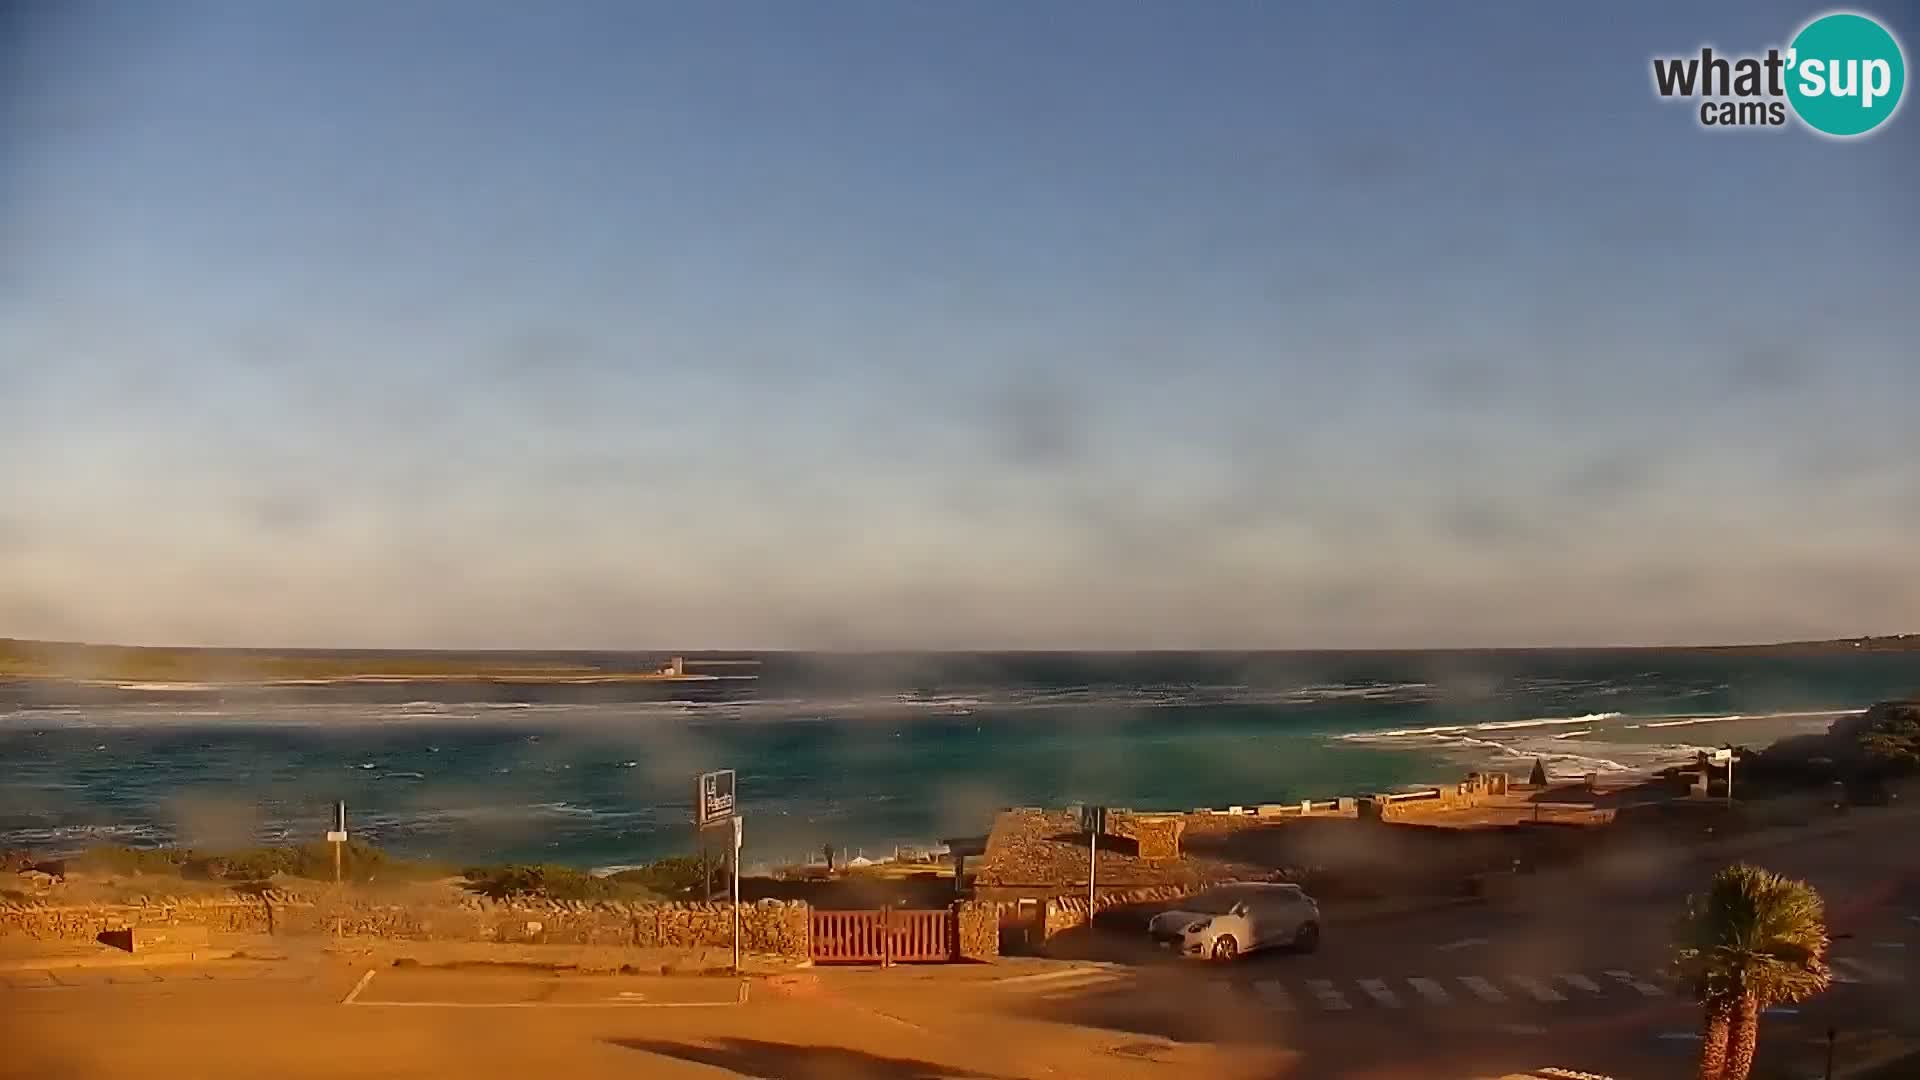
14, 860
127, 861
546, 881
676, 876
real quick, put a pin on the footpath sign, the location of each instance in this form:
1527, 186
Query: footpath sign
714, 803
338, 836
713, 800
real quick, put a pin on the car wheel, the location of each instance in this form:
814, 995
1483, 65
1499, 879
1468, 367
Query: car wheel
1307, 938
1225, 948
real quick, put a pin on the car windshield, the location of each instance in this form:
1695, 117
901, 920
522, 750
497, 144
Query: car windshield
1213, 903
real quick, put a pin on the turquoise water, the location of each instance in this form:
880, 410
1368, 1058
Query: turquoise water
865, 753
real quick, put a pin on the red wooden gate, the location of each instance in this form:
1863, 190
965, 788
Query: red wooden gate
881, 937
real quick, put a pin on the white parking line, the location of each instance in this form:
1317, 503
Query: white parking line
1066, 988
1050, 976
1432, 991
1539, 989
740, 998
1274, 994
1580, 982
357, 987
1330, 998
1377, 990
1483, 989
1626, 978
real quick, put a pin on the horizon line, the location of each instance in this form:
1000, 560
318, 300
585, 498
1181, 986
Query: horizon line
1109, 651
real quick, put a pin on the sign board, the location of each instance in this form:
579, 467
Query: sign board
336, 836
1093, 819
1722, 757
713, 800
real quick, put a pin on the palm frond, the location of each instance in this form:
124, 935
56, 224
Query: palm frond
1753, 932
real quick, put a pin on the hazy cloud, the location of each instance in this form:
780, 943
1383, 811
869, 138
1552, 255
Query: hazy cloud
1766, 368
1036, 423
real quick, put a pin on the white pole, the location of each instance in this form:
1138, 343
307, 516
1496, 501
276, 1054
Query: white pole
1093, 860
736, 893
1729, 779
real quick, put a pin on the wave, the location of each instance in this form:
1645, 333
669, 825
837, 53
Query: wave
1688, 722
1491, 725
1797, 714
58, 836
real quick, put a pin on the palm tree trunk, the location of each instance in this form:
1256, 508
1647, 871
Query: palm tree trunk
1744, 1038
1713, 1044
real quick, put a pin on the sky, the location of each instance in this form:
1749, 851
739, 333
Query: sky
849, 325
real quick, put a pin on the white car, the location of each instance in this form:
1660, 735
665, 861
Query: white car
1226, 921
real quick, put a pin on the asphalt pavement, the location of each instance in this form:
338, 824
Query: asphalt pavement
1568, 973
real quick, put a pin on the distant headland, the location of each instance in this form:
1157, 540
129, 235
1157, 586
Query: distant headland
141, 664
173, 666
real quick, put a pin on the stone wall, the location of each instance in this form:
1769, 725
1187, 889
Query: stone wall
978, 925
770, 927
1158, 835
1070, 912
41, 921
1476, 790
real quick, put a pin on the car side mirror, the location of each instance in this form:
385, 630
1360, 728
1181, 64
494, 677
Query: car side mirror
1239, 909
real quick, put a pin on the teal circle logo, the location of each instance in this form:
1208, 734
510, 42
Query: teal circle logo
1845, 74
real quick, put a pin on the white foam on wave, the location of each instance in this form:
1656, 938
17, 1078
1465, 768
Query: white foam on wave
1799, 714
1688, 722
1491, 725
59, 836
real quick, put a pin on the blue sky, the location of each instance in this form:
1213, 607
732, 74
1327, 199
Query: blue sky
963, 325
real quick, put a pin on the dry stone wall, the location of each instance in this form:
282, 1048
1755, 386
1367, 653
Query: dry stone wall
1070, 912
978, 925
769, 927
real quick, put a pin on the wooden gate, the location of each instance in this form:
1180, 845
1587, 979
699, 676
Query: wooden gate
881, 937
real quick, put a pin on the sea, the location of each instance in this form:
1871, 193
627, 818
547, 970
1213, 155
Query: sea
869, 754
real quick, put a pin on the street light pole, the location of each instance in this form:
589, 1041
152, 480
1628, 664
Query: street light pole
1831, 1033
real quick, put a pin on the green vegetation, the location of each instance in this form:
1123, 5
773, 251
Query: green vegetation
677, 877
547, 882
1861, 751
674, 878
131, 862
359, 863
1754, 940
1886, 738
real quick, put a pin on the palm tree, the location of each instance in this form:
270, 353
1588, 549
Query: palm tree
1754, 939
